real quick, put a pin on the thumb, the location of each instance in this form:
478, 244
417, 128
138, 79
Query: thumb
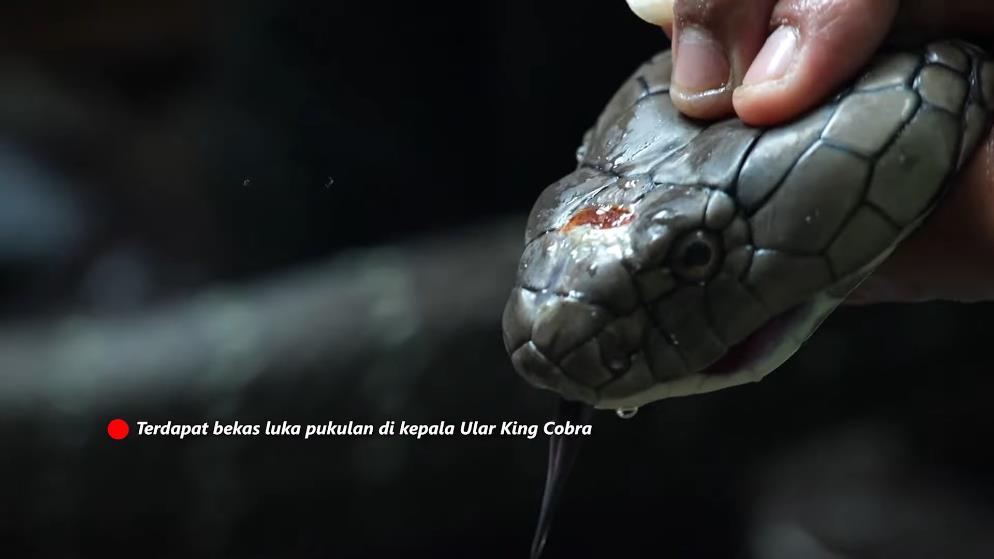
814, 49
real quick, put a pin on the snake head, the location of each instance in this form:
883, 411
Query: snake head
686, 256
630, 292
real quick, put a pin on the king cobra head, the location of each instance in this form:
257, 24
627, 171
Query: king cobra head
683, 257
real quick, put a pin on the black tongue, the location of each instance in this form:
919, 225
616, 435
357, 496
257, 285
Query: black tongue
562, 454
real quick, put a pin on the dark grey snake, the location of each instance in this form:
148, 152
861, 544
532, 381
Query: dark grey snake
682, 257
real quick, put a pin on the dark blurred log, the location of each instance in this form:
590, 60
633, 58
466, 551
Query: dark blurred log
409, 332
357, 305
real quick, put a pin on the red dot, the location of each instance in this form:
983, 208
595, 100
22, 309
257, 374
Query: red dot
117, 429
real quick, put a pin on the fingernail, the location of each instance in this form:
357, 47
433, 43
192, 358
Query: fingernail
775, 58
701, 63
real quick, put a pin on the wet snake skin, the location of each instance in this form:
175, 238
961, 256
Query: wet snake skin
683, 256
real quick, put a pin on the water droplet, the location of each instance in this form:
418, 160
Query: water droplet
808, 218
626, 413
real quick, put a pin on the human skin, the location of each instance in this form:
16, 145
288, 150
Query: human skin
769, 61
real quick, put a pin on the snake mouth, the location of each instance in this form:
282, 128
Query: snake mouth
578, 372
747, 353
763, 351
747, 361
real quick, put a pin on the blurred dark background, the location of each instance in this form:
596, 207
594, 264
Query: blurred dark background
310, 211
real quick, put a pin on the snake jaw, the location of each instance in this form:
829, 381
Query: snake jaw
762, 352
758, 355
581, 373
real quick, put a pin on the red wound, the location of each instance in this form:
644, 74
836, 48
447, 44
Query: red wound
599, 217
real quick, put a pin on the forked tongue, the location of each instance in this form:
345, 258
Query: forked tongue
563, 450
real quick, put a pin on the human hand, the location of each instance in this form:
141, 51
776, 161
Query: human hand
769, 61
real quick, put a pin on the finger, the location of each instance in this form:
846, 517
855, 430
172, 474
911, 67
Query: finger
816, 46
713, 44
656, 12
952, 256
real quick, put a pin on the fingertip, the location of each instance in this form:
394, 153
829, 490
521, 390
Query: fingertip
707, 105
702, 75
713, 44
656, 12
766, 104
809, 55
775, 59
773, 89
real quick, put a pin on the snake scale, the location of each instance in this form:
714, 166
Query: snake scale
683, 256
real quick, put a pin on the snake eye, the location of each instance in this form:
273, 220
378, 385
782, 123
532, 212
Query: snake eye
696, 256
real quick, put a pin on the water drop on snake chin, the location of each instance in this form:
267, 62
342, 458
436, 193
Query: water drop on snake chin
563, 450
626, 413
